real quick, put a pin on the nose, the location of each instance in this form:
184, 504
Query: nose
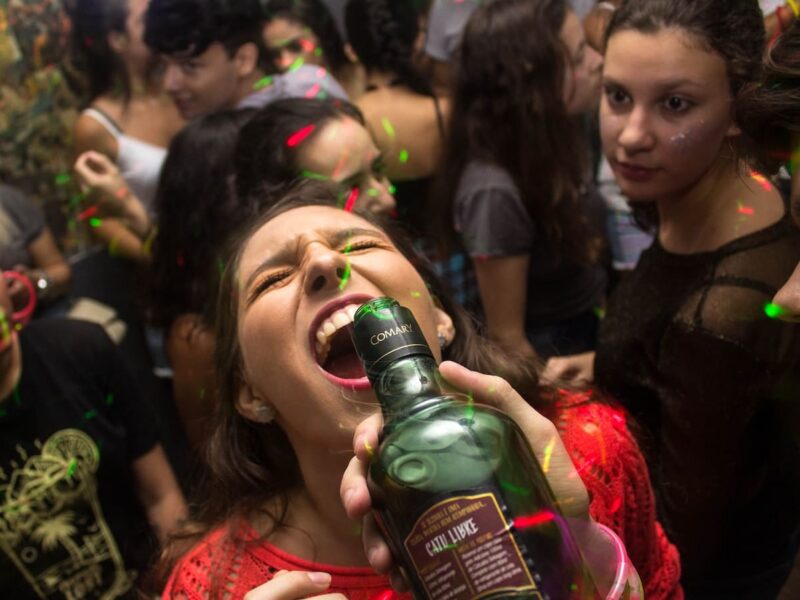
172, 79
285, 59
326, 269
379, 198
635, 135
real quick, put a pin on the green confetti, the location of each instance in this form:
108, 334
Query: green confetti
299, 62
470, 414
415, 294
262, 83
311, 175
387, 127
95, 222
89, 415
600, 312
345, 277
317, 51
774, 311
403, 156
63, 179
392, 189
515, 488
73, 465
109, 399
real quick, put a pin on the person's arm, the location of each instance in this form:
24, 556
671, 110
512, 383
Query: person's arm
91, 135
503, 284
120, 240
190, 349
46, 257
159, 493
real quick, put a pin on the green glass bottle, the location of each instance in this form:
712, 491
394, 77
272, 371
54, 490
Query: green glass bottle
459, 493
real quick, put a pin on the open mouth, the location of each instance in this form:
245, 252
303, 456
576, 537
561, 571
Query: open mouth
334, 350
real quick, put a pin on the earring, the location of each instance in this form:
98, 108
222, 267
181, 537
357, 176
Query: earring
442, 340
265, 414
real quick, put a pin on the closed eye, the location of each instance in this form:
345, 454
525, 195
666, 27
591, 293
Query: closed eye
361, 245
267, 282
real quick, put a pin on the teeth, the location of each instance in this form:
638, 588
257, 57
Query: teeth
341, 318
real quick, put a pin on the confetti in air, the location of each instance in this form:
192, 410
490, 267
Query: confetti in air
63, 179
540, 518
262, 83
761, 180
403, 156
387, 127
520, 491
299, 62
350, 203
313, 91
774, 311
298, 136
747, 211
345, 277
548, 453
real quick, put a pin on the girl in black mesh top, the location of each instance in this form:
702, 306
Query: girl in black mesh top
686, 343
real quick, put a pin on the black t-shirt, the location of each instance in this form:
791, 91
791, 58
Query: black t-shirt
71, 525
687, 347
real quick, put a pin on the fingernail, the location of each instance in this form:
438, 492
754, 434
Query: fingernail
319, 578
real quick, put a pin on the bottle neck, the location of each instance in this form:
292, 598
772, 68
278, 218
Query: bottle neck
405, 384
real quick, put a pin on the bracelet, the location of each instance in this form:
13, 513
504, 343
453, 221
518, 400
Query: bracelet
627, 583
795, 8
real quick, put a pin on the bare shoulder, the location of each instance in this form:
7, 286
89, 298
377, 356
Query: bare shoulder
90, 134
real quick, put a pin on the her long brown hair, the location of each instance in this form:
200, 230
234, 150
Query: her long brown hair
508, 111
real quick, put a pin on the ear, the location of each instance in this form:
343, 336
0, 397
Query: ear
246, 59
248, 402
444, 326
350, 53
117, 41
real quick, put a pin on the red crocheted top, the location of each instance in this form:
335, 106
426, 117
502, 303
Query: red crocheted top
605, 454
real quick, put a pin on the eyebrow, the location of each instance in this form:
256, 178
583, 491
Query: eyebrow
285, 254
666, 84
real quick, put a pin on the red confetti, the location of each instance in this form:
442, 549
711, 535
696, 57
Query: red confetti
615, 505
350, 203
299, 136
534, 520
92, 210
313, 91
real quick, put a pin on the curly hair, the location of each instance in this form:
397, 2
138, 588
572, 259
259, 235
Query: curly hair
92, 21
768, 110
382, 33
265, 166
191, 26
509, 111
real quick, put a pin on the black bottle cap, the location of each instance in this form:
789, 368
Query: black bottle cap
383, 332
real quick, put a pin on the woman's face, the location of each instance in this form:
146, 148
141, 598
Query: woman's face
665, 113
135, 50
302, 276
287, 40
343, 152
584, 64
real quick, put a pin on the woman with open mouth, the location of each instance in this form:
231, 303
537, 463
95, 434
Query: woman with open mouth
293, 391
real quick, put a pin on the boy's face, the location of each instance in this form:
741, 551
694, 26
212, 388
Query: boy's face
204, 83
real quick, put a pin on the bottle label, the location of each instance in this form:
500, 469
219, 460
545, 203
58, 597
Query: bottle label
462, 549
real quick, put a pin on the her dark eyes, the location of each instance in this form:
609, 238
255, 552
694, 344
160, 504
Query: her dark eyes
677, 104
615, 95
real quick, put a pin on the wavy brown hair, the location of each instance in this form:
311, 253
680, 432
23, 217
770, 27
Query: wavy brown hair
252, 466
508, 110
768, 110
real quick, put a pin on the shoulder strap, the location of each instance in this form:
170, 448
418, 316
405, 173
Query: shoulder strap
102, 118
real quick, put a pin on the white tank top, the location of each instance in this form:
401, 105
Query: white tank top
139, 162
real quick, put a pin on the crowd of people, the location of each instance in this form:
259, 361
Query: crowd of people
591, 208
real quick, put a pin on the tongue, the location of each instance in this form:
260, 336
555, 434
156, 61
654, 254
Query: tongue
346, 366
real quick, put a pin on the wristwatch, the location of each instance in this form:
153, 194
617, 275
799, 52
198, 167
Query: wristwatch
42, 283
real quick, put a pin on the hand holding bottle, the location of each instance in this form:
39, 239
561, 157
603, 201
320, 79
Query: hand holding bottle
292, 585
485, 389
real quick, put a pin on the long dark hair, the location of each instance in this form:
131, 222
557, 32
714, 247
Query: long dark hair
734, 30
508, 111
316, 16
768, 110
251, 464
265, 164
196, 212
92, 22
382, 33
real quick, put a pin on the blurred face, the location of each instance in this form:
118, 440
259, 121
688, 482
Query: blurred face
343, 152
302, 276
584, 64
665, 113
205, 83
288, 40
